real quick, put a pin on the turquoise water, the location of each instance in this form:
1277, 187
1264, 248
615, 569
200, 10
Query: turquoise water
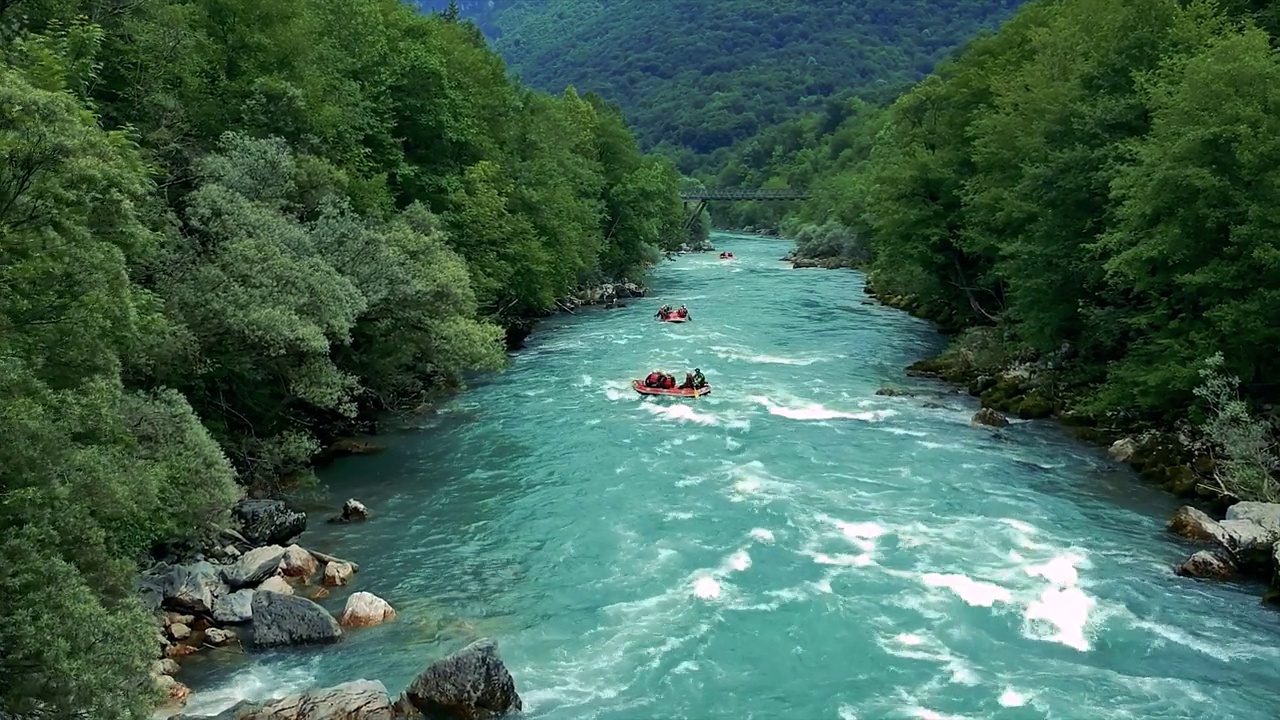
792, 546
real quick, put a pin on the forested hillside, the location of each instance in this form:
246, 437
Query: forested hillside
696, 77
230, 229
1096, 185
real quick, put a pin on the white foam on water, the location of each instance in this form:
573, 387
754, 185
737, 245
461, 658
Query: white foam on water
706, 588
1066, 610
681, 413
255, 682
1013, 698
746, 355
847, 713
973, 592
818, 412
903, 431
740, 561
763, 535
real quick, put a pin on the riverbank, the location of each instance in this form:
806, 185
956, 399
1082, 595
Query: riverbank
1244, 545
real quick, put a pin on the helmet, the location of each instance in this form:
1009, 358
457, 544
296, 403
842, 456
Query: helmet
697, 370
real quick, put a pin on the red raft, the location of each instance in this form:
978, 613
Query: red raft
674, 392
676, 318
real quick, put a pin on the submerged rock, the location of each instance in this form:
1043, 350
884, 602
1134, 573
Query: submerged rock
1208, 564
989, 417
471, 684
280, 620
269, 522
337, 573
352, 511
357, 700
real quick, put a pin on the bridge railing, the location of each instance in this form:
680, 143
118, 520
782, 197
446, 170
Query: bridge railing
743, 194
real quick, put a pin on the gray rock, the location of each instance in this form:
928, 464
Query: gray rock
219, 636
188, 588
1122, 449
269, 522
280, 620
358, 700
471, 684
234, 608
1265, 514
253, 567
1249, 543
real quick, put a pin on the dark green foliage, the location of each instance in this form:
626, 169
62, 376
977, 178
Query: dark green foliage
231, 230
695, 77
1099, 174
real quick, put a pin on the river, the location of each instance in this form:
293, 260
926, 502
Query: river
792, 546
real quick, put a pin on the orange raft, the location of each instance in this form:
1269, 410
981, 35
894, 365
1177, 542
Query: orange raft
673, 392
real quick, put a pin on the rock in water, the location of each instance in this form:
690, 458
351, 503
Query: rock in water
1209, 564
471, 684
358, 700
297, 562
337, 574
1193, 524
364, 609
1122, 449
253, 567
280, 620
269, 522
353, 510
987, 416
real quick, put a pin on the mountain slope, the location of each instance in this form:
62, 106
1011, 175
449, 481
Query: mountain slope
694, 77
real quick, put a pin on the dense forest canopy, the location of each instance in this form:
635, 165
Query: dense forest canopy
1097, 178
231, 230
697, 77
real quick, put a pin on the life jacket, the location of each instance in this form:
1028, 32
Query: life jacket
653, 380
681, 312
669, 382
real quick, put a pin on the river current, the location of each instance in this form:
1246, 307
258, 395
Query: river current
792, 546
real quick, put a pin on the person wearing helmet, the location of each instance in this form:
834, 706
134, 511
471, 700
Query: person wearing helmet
699, 380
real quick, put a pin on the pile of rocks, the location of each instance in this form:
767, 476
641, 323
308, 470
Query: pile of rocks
246, 592
609, 294
472, 684
1245, 544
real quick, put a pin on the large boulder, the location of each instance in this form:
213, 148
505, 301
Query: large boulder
189, 588
357, 700
1193, 524
1122, 449
1265, 514
269, 522
236, 607
280, 620
364, 609
471, 684
253, 567
1250, 544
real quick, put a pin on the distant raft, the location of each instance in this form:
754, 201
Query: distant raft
673, 392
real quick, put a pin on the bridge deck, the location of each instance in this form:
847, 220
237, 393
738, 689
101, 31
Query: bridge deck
741, 194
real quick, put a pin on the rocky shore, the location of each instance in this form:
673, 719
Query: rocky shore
827, 263
1242, 543
471, 684
257, 589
